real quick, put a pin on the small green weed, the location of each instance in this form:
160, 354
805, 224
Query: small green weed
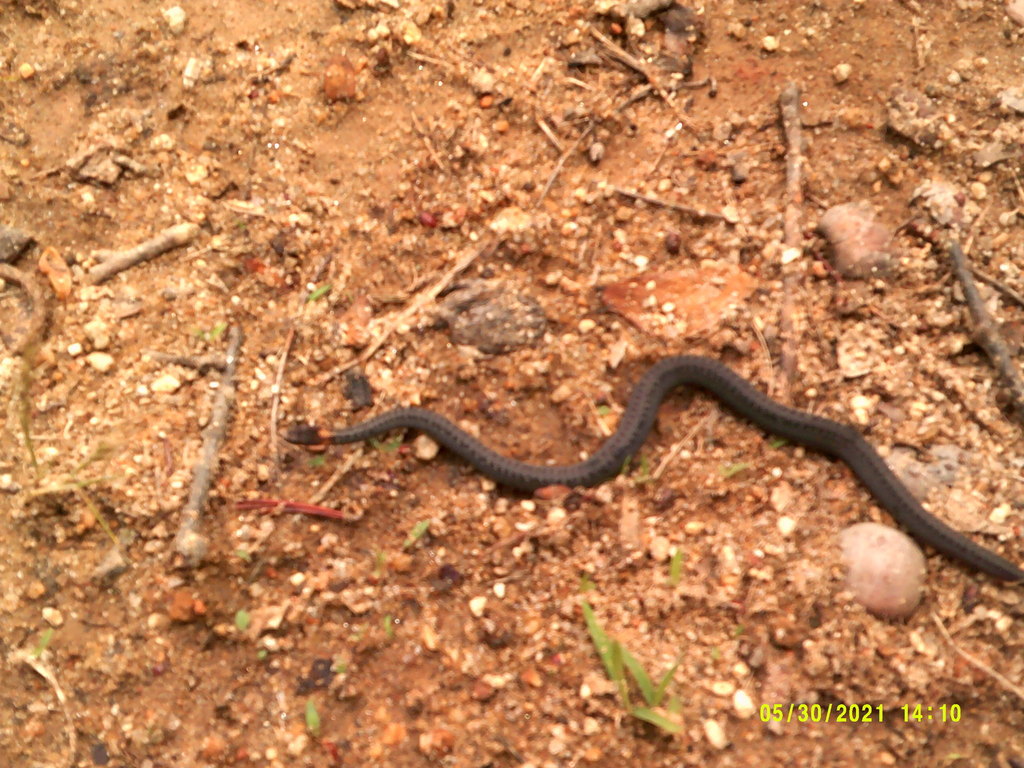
416, 533
617, 661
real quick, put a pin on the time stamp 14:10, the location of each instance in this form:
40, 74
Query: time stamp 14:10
858, 713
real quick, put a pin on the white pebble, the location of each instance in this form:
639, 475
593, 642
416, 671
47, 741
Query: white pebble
499, 590
98, 334
100, 361
723, 687
478, 605
75, 349
715, 734
770, 43
742, 704
999, 514
175, 18
786, 525
52, 616
841, 72
424, 448
166, 384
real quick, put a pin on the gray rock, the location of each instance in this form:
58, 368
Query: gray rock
914, 116
885, 569
492, 318
860, 245
13, 242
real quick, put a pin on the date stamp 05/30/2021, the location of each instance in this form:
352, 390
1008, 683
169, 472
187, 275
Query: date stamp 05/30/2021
860, 713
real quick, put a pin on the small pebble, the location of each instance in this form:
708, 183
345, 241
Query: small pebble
660, 548
424, 448
770, 43
885, 569
339, 79
978, 190
999, 514
482, 82
100, 361
786, 525
723, 688
477, 606
175, 18
841, 72
742, 704
165, 384
75, 349
52, 616
715, 734
98, 333
26, 71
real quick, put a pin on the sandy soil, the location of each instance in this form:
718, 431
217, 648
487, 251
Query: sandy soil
336, 161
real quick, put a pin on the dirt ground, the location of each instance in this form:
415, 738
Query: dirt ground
345, 165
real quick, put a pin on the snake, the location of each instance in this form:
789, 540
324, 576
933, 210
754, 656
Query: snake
822, 435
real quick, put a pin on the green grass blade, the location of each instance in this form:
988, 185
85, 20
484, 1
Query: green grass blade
659, 692
656, 718
618, 674
601, 643
643, 680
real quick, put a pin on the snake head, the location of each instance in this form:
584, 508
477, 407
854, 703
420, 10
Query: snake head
306, 434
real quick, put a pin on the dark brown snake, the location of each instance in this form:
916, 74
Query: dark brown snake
823, 435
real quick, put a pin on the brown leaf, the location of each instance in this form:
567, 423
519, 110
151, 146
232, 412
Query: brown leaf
680, 304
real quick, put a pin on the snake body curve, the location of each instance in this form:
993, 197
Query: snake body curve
823, 435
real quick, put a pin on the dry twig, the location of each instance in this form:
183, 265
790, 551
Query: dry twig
44, 671
986, 331
623, 57
275, 402
113, 262
201, 363
189, 542
684, 209
1001, 287
1016, 690
789, 104
420, 301
561, 162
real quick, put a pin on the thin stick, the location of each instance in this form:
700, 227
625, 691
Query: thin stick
621, 56
550, 134
685, 209
676, 449
426, 142
44, 671
1001, 287
421, 300
561, 162
986, 332
789, 104
281, 505
1016, 690
339, 473
275, 401
201, 363
118, 261
189, 542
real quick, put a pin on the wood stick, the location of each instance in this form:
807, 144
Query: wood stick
189, 542
986, 331
685, 209
789, 106
113, 262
